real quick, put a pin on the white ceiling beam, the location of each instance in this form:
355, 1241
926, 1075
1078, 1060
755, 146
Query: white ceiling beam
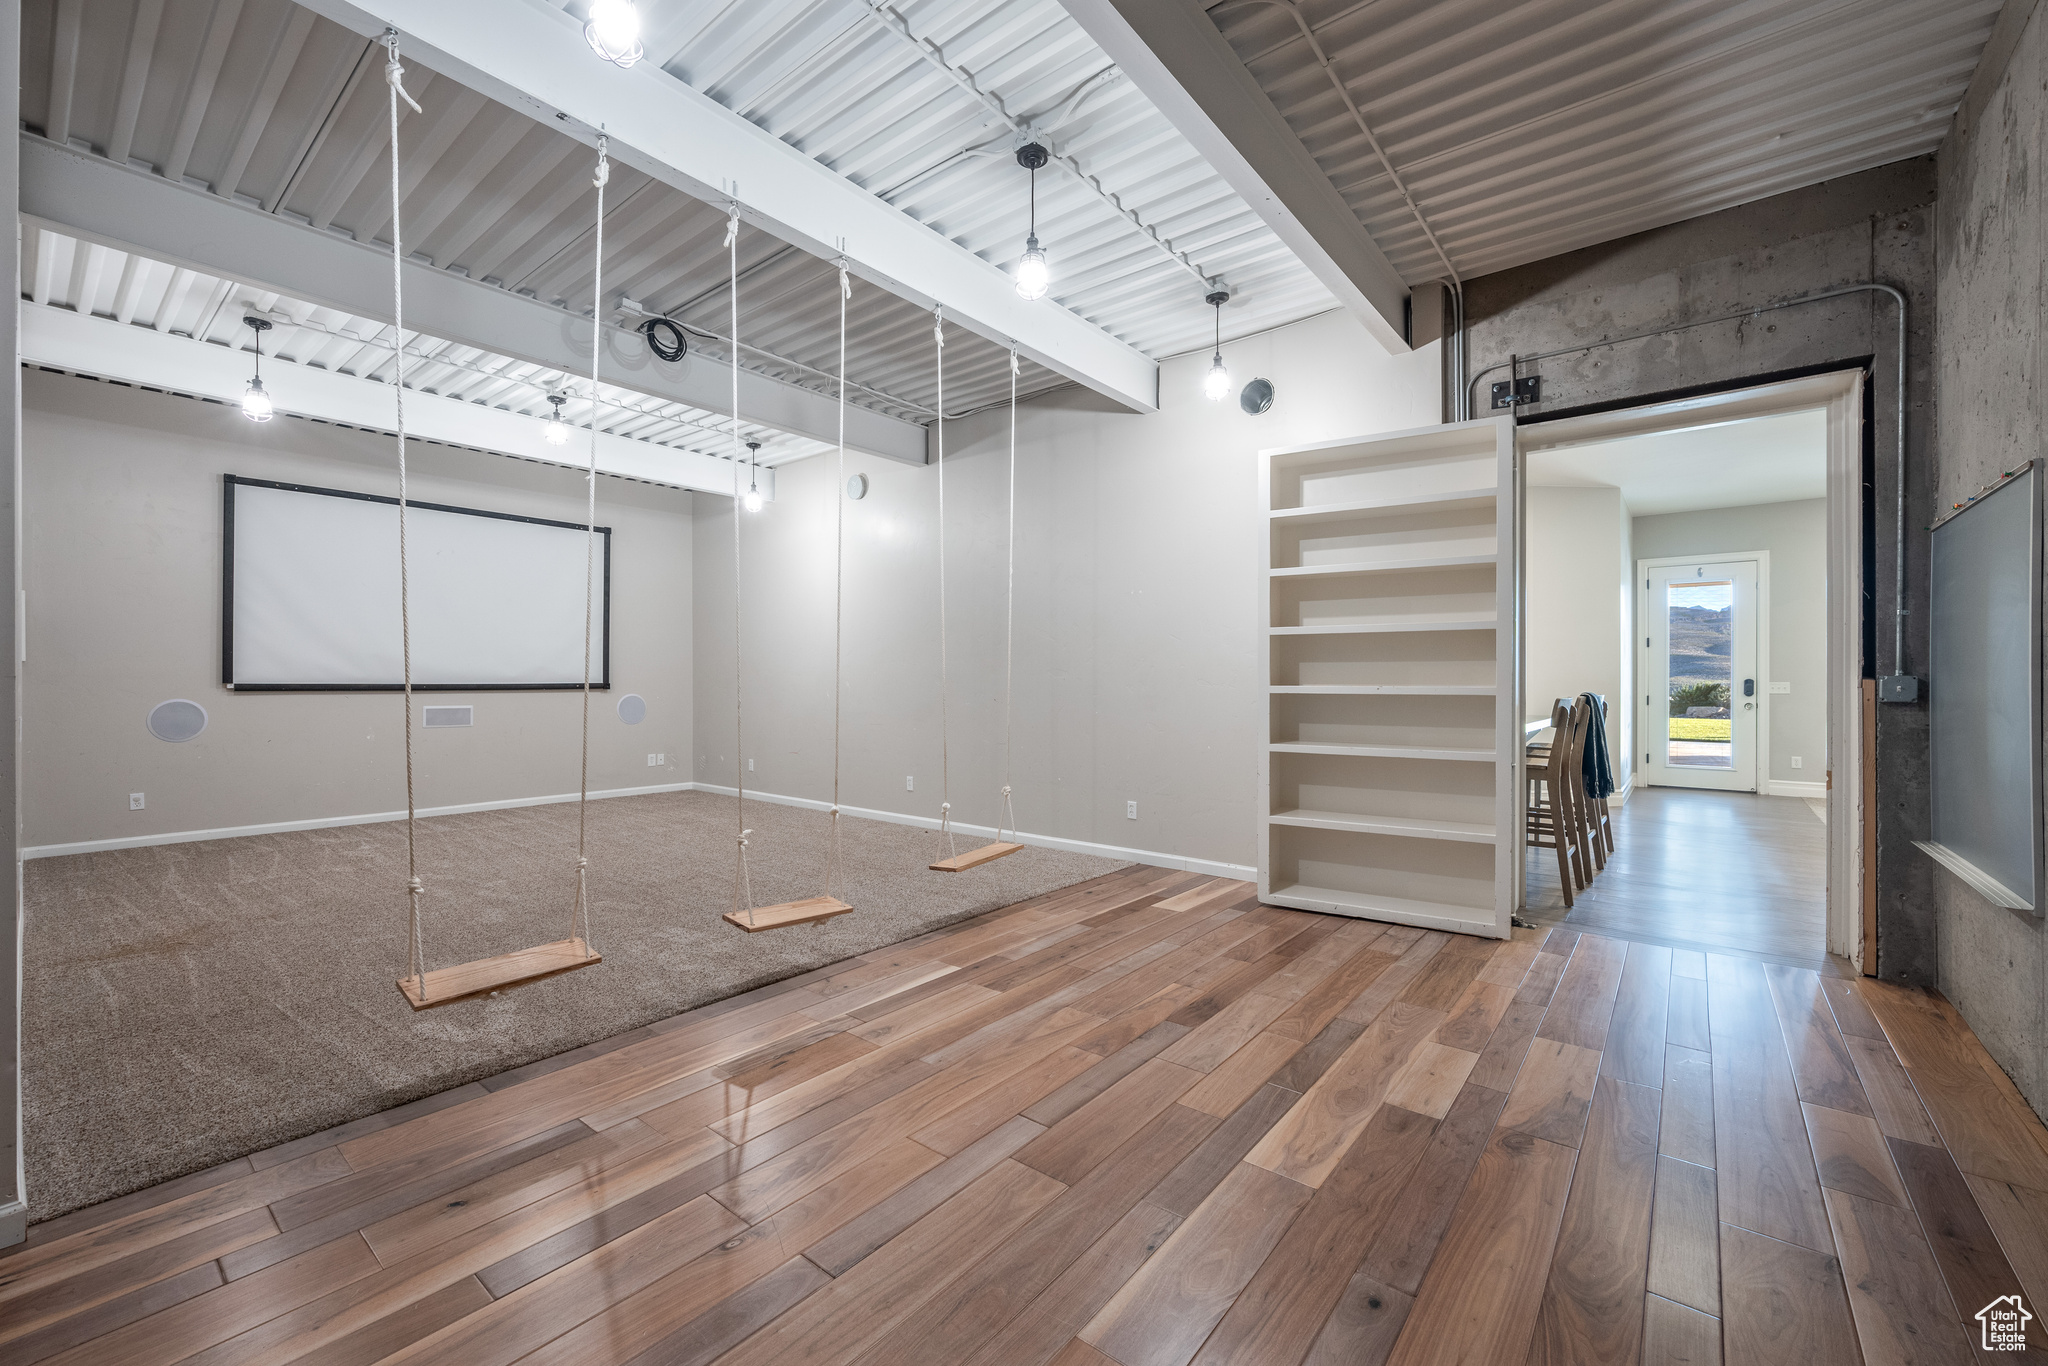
100, 347
532, 57
90, 198
1175, 55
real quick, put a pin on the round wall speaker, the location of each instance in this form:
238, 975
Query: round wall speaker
1257, 397
632, 709
857, 487
177, 720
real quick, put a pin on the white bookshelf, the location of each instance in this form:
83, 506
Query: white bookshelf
1388, 778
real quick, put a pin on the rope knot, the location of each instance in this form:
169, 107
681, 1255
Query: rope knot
945, 806
414, 886
604, 163
939, 325
394, 74
582, 862
1006, 789
732, 222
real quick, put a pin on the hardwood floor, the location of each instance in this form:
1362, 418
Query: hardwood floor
1720, 871
1143, 1121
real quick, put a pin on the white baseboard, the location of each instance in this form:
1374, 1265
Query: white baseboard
13, 1222
1207, 867
324, 822
1179, 862
1618, 798
1775, 788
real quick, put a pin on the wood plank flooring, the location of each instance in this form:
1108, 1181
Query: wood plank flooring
1725, 872
1143, 1121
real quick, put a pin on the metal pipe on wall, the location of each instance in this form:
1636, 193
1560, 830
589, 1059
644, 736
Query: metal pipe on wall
1469, 398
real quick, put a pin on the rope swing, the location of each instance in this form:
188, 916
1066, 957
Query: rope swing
955, 861
424, 989
810, 910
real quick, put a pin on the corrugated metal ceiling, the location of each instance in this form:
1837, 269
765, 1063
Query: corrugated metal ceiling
262, 101
1525, 128
63, 272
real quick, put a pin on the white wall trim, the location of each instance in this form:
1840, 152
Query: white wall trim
13, 1222
1207, 867
1778, 787
325, 822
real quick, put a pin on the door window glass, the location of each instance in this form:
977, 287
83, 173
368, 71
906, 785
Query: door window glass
1701, 618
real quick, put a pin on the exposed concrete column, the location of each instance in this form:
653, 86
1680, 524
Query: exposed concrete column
13, 1186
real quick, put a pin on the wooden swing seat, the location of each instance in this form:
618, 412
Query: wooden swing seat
805, 912
447, 985
974, 858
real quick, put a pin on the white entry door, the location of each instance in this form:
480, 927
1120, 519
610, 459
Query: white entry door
1701, 693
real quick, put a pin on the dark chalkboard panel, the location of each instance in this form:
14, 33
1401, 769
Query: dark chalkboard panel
1984, 693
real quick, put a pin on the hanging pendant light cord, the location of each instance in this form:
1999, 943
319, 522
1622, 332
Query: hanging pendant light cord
416, 966
945, 733
579, 917
1009, 812
743, 881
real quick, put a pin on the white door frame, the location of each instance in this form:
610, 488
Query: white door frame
1840, 394
1646, 710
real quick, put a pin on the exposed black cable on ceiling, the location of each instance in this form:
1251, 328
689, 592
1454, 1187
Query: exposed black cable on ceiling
674, 347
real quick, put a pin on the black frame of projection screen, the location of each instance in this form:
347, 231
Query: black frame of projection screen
602, 682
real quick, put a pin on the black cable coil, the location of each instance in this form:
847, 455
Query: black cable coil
672, 348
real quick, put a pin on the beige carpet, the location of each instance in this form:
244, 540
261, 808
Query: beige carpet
189, 1003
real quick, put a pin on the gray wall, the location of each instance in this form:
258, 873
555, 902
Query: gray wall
1576, 567
1138, 557
1994, 962
1874, 225
122, 574
1796, 535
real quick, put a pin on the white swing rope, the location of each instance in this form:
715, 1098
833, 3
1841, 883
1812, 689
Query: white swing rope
743, 882
835, 876
1009, 812
416, 951
945, 741
580, 913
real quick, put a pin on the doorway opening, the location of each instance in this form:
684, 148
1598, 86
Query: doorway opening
1695, 568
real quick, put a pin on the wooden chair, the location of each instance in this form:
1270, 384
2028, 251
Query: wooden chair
1553, 816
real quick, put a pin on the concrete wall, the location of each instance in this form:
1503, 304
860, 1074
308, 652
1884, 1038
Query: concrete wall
1796, 535
1576, 567
1138, 552
1990, 372
122, 572
1876, 225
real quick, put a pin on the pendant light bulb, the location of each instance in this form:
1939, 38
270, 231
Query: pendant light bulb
1034, 277
614, 31
1216, 384
554, 429
256, 403
255, 399
752, 501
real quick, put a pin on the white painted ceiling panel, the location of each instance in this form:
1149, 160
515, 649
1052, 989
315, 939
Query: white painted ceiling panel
261, 101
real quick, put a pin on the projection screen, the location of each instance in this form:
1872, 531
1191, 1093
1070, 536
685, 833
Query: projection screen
309, 595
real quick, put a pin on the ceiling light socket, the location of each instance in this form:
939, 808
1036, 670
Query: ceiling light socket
1033, 155
1217, 298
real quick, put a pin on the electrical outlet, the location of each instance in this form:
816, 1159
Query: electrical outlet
1130, 811
1798, 762
135, 801
1781, 687
909, 783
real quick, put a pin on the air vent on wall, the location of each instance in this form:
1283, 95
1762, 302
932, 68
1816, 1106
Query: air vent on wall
434, 718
